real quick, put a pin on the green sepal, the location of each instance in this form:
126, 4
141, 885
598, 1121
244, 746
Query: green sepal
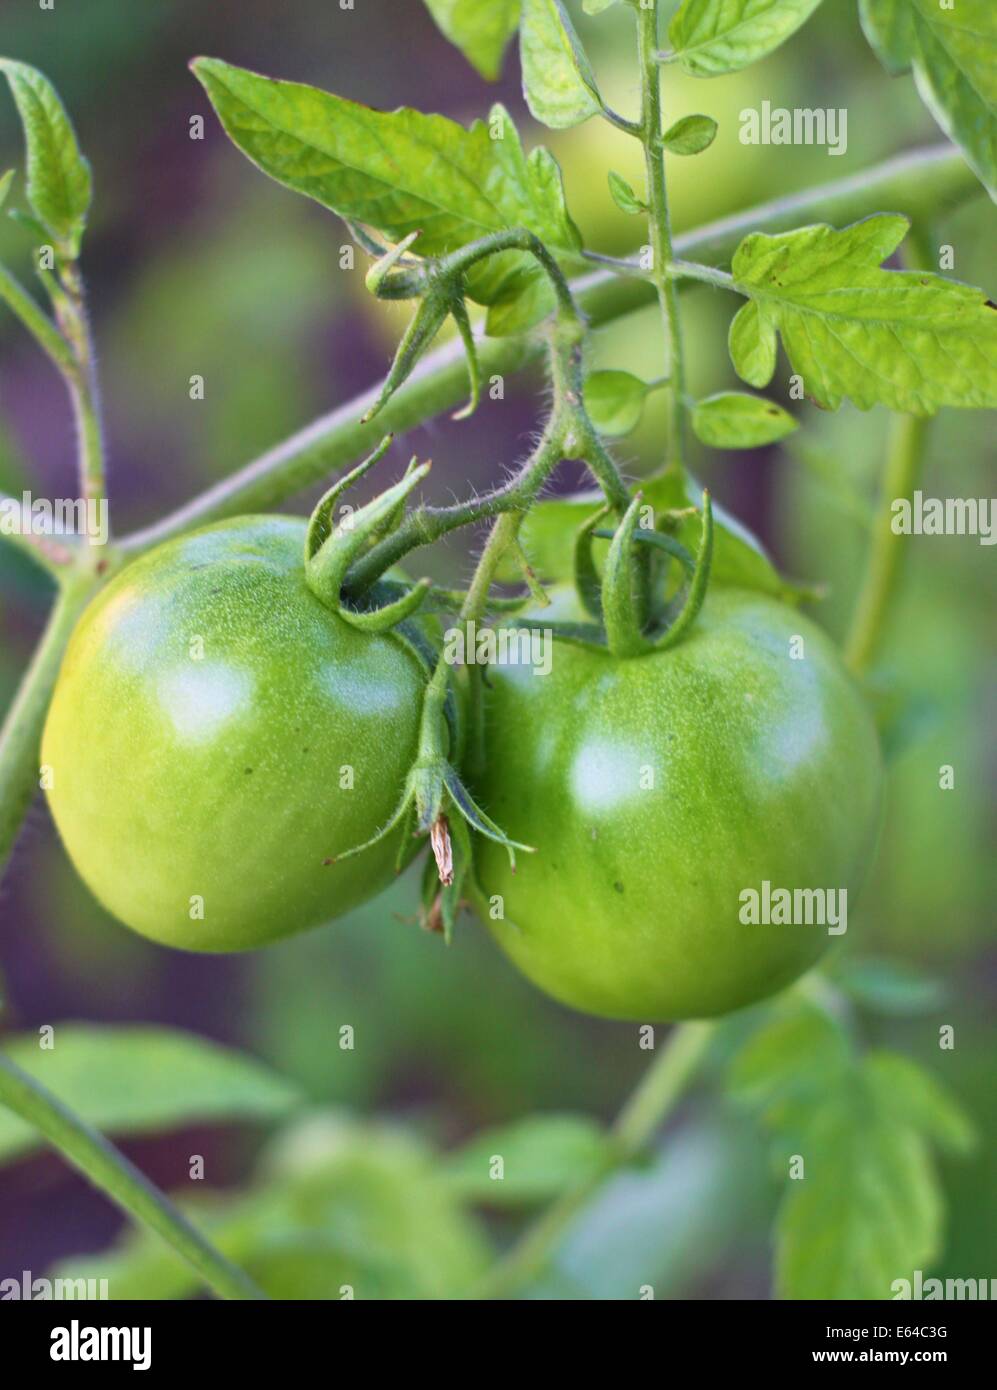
319, 527
391, 614
460, 317
692, 600
416, 339
379, 279
587, 581
326, 568
620, 606
478, 820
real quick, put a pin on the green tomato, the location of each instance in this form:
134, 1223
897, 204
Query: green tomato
217, 736
656, 791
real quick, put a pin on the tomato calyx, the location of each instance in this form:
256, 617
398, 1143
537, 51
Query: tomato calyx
331, 549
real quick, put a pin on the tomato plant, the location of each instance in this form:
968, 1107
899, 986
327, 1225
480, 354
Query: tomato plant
245, 723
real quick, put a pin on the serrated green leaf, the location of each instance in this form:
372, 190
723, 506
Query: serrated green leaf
58, 176
540, 1158
690, 135
795, 1052
889, 28
615, 401
734, 420
128, 1080
955, 68
558, 81
912, 1096
480, 30
910, 340
868, 1210
402, 171
623, 195
888, 987
711, 37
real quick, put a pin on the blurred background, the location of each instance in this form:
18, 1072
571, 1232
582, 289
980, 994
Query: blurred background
196, 263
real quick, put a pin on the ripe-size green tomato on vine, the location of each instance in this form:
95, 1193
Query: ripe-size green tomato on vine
217, 736
657, 789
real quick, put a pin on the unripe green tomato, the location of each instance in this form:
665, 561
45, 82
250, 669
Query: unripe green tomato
656, 790
217, 736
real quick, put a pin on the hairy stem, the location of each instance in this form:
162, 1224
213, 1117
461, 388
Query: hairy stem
37, 322
931, 179
655, 1096
83, 388
659, 226
21, 732
109, 1170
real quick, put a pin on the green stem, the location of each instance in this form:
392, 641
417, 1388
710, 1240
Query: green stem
659, 225
707, 274
44, 550
932, 179
83, 389
109, 1170
20, 735
655, 1096
37, 322
904, 463
883, 567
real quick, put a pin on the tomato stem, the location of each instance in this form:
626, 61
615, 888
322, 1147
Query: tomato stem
904, 462
659, 226
934, 178
654, 1098
108, 1169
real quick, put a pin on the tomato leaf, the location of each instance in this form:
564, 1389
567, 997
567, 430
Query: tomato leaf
690, 135
558, 82
862, 1204
956, 76
889, 27
59, 186
5, 182
127, 1080
615, 401
910, 1094
951, 52
597, 6
623, 195
711, 37
888, 987
402, 171
867, 1210
540, 1157
480, 30
735, 420
910, 340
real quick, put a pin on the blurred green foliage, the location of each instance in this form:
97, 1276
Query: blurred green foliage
242, 285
